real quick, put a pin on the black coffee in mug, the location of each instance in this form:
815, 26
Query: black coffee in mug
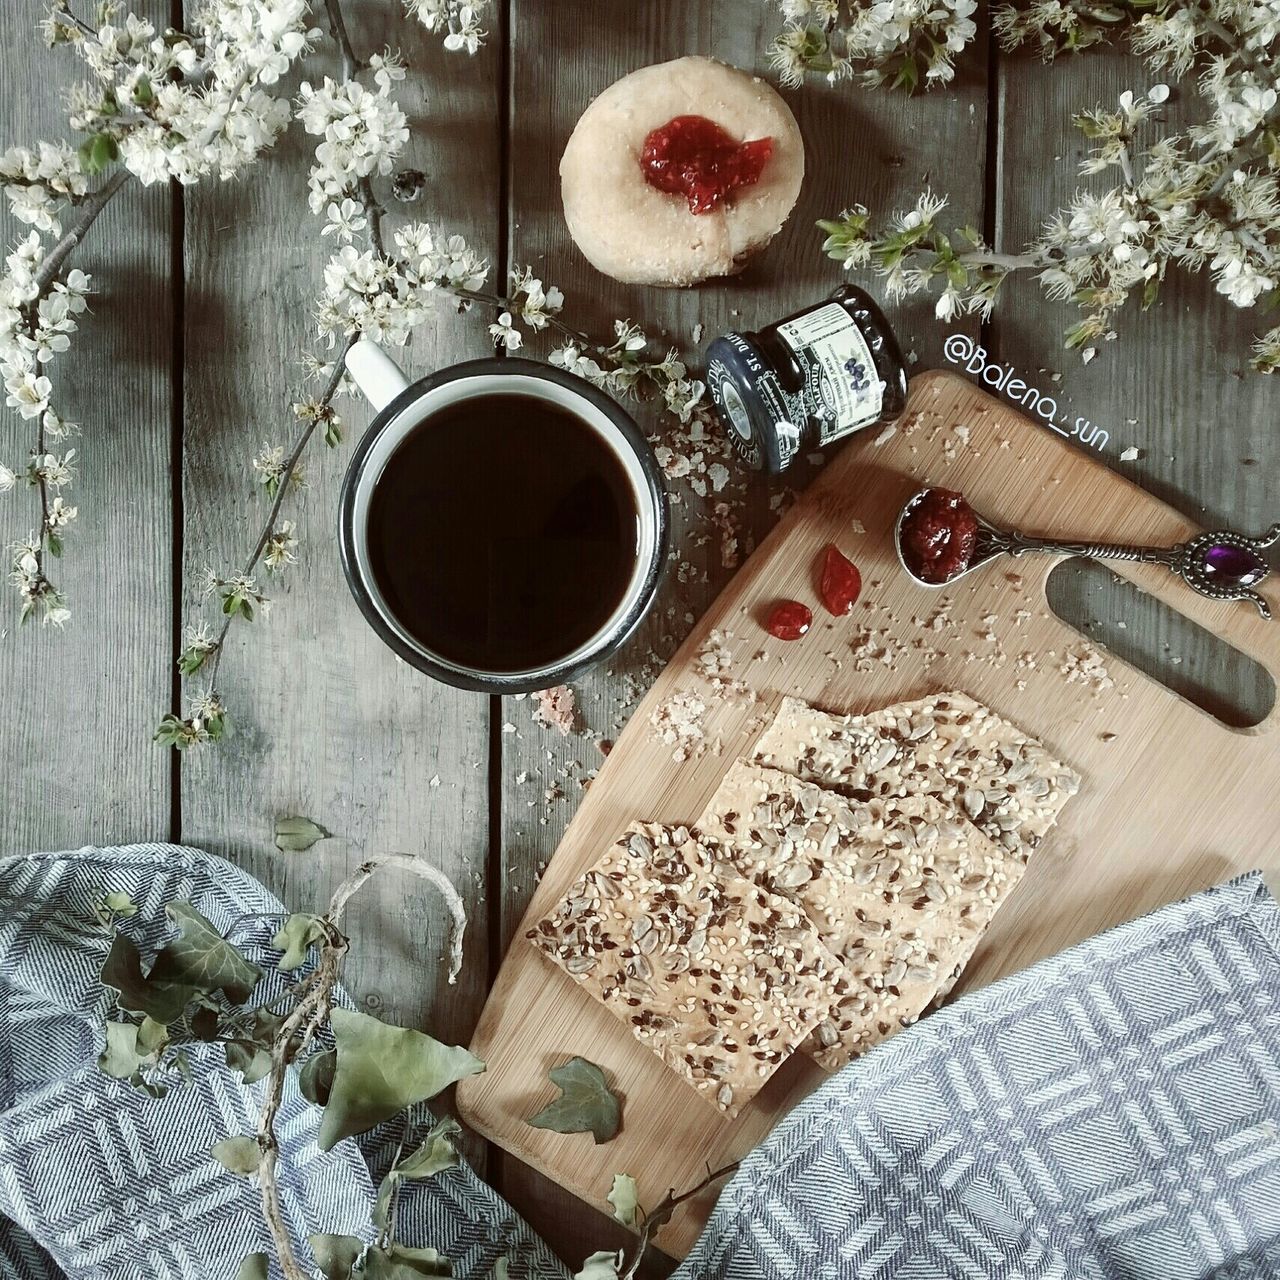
503, 532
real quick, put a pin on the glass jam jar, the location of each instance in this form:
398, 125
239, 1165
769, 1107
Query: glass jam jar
807, 381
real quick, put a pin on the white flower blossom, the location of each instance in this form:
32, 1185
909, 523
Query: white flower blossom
345, 220
60, 515
505, 334
457, 19
282, 547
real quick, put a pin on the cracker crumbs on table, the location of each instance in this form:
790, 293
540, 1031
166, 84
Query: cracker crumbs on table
556, 708
726, 523
1084, 664
678, 722
874, 645
714, 663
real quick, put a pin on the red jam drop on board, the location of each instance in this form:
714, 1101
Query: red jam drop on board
841, 582
694, 157
789, 620
939, 536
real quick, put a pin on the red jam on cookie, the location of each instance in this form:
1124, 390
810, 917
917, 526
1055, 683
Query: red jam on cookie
694, 157
939, 536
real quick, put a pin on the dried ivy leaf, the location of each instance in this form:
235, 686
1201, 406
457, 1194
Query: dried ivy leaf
435, 1154
204, 1023
122, 972
120, 1057
114, 906
254, 1267
296, 835
399, 1262
586, 1104
315, 1080
501, 1267
202, 958
266, 1027
238, 1155
601, 1266
625, 1199
251, 1054
381, 1070
152, 1037
253, 1062
295, 938
335, 1255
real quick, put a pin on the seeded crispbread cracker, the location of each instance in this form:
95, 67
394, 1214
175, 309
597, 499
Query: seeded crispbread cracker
900, 889
719, 977
947, 746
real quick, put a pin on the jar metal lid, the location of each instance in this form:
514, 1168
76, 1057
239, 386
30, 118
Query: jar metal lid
764, 420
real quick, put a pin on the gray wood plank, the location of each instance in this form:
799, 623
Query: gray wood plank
860, 147
1175, 385
75, 748
325, 721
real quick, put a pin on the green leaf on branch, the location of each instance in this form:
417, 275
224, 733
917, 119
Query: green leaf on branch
238, 1155
398, 1262
192, 658
381, 1070
625, 1199
254, 1267
201, 957
601, 1266
315, 1080
335, 1255
908, 73
295, 937
586, 1103
143, 94
435, 1154
296, 835
98, 152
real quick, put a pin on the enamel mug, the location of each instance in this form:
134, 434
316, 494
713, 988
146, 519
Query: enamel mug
404, 408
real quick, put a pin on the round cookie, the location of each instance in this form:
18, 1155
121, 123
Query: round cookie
637, 234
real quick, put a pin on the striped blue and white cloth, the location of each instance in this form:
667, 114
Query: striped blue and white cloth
100, 1182
1112, 1113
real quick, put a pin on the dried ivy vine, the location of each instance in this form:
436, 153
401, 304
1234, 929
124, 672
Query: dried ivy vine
201, 989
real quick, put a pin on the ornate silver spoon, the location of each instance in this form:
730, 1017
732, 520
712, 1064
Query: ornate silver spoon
1222, 565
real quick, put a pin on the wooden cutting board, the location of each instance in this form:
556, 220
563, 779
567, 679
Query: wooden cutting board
1172, 801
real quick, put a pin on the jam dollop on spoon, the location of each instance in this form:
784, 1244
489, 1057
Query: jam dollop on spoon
939, 538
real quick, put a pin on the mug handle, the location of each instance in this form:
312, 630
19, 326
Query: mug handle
379, 378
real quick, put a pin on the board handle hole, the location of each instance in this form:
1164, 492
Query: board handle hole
1160, 642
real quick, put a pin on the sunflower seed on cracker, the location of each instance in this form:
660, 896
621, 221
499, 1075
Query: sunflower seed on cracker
739, 979
948, 746
902, 894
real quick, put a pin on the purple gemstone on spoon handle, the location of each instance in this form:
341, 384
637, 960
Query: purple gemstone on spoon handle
1224, 562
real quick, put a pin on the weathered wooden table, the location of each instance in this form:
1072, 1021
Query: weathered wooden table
191, 360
